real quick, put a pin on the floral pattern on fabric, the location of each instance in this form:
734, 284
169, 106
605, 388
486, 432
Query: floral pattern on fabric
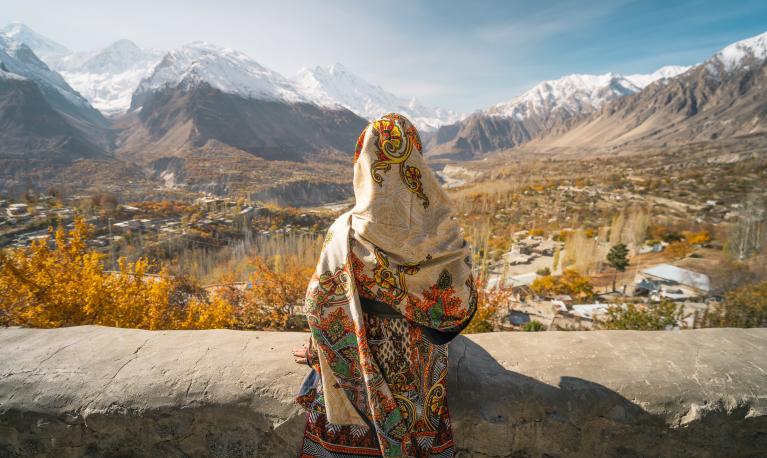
416, 371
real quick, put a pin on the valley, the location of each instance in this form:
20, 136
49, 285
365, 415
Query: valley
207, 163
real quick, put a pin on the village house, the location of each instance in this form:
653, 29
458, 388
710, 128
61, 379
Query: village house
578, 316
665, 281
18, 211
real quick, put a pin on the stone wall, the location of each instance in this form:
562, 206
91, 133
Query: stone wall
97, 391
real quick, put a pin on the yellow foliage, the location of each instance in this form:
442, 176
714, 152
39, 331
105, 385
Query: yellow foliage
697, 238
678, 250
215, 314
60, 282
488, 303
570, 282
276, 296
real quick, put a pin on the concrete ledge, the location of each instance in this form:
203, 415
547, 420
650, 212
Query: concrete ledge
97, 391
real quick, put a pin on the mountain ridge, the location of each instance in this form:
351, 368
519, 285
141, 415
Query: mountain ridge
547, 105
337, 85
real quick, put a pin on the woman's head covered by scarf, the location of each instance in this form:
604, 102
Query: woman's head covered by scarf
400, 206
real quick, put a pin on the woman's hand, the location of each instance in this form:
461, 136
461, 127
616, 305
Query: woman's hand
302, 355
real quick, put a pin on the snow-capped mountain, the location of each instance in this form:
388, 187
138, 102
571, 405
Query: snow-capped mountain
335, 85
546, 106
17, 58
108, 77
669, 71
16, 34
741, 53
724, 97
225, 69
201, 95
577, 94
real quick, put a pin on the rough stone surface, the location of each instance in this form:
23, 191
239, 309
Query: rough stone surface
97, 391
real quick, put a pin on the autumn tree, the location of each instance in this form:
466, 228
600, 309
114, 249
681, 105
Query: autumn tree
489, 302
745, 307
679, 249
275, 295
570, 282
697, 238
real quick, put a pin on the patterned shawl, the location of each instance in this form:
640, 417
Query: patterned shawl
405, 249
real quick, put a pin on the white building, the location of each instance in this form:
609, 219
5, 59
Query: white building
671, 282
17, 210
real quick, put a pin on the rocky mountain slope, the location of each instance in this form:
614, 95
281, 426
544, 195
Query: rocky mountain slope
201, 93
212, 119
20, 59
50, 136
41, 116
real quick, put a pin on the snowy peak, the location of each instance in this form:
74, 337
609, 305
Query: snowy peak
574, 94
322, 84
669, 71
577, 94
225, 69
336, 85
118, 57
17, 34
108, 77
740, 53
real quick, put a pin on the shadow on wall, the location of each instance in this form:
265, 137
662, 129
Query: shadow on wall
499, 413
100, 391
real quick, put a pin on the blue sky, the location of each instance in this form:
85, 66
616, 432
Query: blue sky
459, 55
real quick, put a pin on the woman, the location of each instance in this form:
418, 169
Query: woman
393, 285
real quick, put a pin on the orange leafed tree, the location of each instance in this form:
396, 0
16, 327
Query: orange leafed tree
276, 294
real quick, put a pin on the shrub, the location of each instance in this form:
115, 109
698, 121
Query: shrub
653, 317
534, 326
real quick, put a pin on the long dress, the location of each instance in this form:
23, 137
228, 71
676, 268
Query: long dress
416, 370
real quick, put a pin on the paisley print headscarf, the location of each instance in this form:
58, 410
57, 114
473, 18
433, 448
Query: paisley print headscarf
405, 249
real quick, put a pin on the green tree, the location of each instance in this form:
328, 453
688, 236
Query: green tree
618, 259
654, 317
